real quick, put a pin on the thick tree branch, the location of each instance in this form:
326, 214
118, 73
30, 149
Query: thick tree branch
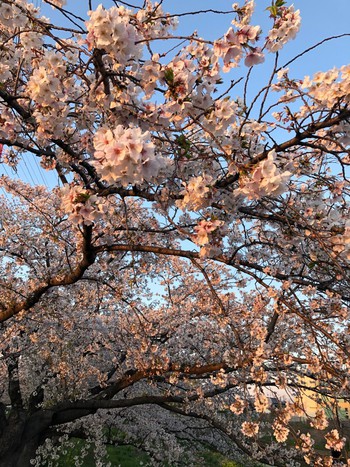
159, 250
33, 298
309, 132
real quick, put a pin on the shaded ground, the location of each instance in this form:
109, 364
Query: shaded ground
128, 456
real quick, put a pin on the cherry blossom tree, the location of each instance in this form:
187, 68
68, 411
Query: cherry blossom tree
193, 259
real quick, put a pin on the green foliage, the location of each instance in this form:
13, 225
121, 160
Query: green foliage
274, 8
185, 145
169, 76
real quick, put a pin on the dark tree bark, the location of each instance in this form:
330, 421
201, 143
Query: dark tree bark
24, 432
21, 429
22, 436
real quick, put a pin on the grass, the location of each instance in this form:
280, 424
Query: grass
128, 456
123, 456
214, 459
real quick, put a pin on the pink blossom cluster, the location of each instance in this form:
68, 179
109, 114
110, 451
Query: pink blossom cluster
8, 126
5, 73
50, 90
306, 442
11, 16
280, 431
205, 230
244, 13
21, 37
150, 76
286, 26
330, 87
206, 59
196, 194
44, 87
265, 180
341, 242
112, 31
189, 80
334, 441
261, 402
126, 156
320, 421
147, 20
250, 429
82, 206
237, 407
222, 116
231, 47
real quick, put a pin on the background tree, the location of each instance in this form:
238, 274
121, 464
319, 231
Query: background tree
194, 255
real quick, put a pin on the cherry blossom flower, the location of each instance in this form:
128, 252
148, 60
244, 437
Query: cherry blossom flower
254, 57
80, 205
266, 179
238, 406
280, 431
112, 31
250, 429
286, 26
320, 421
261, 402
204, 229
126, 155
196, 194
333, 441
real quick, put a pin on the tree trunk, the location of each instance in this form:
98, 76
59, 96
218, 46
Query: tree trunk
21, 437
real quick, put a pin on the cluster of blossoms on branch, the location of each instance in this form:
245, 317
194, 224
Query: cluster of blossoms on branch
334, 441
231, 48
266, 179
286, 26
83, 206
126, 156
196, 194
112, 31
328, 87
205, 230
196, 256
